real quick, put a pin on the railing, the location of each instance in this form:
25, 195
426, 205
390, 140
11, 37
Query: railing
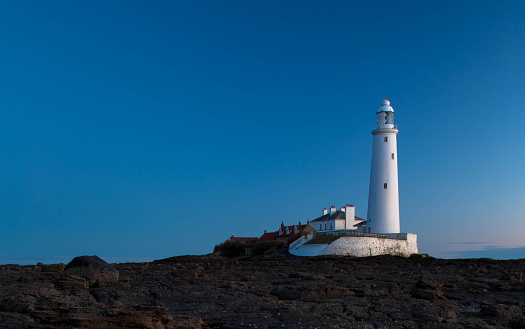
296, 242
394, 236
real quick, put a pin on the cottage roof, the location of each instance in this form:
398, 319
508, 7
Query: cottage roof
284, 231
269, 236
336, 215
361, 223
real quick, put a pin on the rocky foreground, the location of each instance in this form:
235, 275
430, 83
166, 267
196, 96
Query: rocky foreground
207, 292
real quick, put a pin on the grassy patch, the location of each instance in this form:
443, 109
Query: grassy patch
323, 239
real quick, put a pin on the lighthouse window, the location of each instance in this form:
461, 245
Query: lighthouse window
386, 139
389, 118
384, 186
393, 156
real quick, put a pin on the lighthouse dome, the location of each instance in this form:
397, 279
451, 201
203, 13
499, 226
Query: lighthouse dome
385, 106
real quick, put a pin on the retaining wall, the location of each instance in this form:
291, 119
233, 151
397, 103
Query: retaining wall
360, 247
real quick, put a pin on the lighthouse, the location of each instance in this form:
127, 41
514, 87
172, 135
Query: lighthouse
383, 208
383, 197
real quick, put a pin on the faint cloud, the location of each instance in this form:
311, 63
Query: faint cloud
494, 252
469, 242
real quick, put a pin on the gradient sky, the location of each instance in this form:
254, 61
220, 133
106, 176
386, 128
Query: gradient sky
139, 130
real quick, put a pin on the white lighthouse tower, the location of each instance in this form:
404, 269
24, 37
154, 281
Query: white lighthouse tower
383, 197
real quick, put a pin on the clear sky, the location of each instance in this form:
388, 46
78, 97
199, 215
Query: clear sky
139, 130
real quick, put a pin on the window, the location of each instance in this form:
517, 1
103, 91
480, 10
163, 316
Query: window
393, 157
325, 226
369, 230
320, 226
389, 119
330, 225
386, 139
384, 186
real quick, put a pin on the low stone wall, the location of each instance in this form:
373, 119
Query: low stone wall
361, 247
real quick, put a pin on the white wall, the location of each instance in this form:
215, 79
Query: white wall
369, 246
383, 204
360, 247
336, 225
340, 224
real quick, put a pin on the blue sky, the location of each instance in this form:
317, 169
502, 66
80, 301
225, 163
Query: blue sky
139, 130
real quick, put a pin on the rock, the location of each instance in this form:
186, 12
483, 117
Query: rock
53, 268
186, 275
305, 276
428, 288
429, 283
93, 269
72, 282
518, 323
311, 292
145, 317
331, 292
19, 303
502, 314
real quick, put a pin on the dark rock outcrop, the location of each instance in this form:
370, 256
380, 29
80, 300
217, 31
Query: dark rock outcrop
93, 269
324, 292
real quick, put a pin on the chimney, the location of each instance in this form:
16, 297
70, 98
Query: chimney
350, 214
299, 222
332, 210
325, 211
282, 224
343, 209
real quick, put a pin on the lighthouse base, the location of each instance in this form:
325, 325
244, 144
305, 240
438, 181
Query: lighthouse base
401, 244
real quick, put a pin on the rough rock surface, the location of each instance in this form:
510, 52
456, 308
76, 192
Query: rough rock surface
93, 269
210, 292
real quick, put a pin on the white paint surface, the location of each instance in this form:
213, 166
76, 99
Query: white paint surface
358, 246
370, 246
383, 203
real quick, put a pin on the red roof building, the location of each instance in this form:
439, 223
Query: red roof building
286, 232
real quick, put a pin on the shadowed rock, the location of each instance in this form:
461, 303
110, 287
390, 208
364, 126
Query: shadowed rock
330, 292
428, 288
93, 269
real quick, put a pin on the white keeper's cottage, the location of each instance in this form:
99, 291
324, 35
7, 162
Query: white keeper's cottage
342, 219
